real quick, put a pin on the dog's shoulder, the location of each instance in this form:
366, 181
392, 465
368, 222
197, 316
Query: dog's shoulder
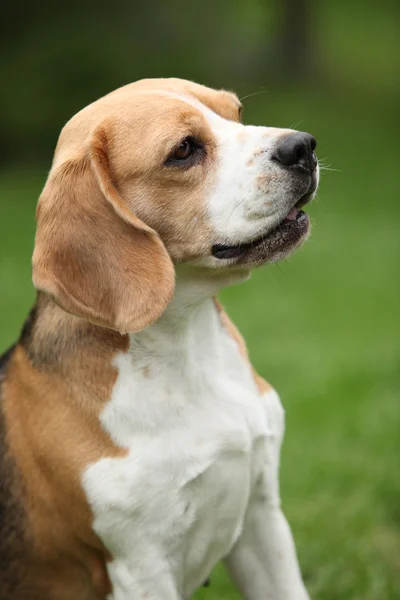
16, 543
13, 529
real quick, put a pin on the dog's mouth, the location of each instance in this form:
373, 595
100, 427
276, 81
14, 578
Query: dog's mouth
277, 243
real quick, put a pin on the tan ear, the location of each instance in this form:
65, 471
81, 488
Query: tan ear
92, 255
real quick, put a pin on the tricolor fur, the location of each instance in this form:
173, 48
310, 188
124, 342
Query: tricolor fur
139, 447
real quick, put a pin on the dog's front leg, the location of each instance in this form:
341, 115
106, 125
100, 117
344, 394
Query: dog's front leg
263, 562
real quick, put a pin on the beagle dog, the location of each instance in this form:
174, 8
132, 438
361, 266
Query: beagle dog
139, 447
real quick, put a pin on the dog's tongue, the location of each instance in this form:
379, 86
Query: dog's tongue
292, 215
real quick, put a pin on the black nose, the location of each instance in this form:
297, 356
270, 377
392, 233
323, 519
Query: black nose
297, 150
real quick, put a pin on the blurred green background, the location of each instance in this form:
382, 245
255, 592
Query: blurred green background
323, 327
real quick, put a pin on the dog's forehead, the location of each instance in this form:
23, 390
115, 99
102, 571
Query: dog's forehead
222, 102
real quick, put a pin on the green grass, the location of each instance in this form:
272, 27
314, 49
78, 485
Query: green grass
323, 328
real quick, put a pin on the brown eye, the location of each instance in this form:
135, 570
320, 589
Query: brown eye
183, 151
187, 153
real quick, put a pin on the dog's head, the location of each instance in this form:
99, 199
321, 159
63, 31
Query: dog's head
157, 173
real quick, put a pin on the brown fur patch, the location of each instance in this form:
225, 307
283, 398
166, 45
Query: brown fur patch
51, 410
96, 258
113, 214
13, 517
224, 103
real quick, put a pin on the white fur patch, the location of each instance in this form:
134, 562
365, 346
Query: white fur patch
251, 193
187, 410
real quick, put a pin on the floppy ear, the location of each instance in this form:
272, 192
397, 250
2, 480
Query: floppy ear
92, 254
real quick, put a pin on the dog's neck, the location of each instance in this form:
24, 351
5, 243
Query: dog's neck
189, 324
195, 287
54, 339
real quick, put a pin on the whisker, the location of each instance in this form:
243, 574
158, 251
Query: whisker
280, 270
295, 126
237, 206
254, 94
323, 168
319, 204
271, 274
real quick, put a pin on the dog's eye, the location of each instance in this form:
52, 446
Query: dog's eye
184, 151
240, 115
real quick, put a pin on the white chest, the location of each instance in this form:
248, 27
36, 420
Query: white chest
195, 430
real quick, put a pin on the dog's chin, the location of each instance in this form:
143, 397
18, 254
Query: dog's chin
275, 245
